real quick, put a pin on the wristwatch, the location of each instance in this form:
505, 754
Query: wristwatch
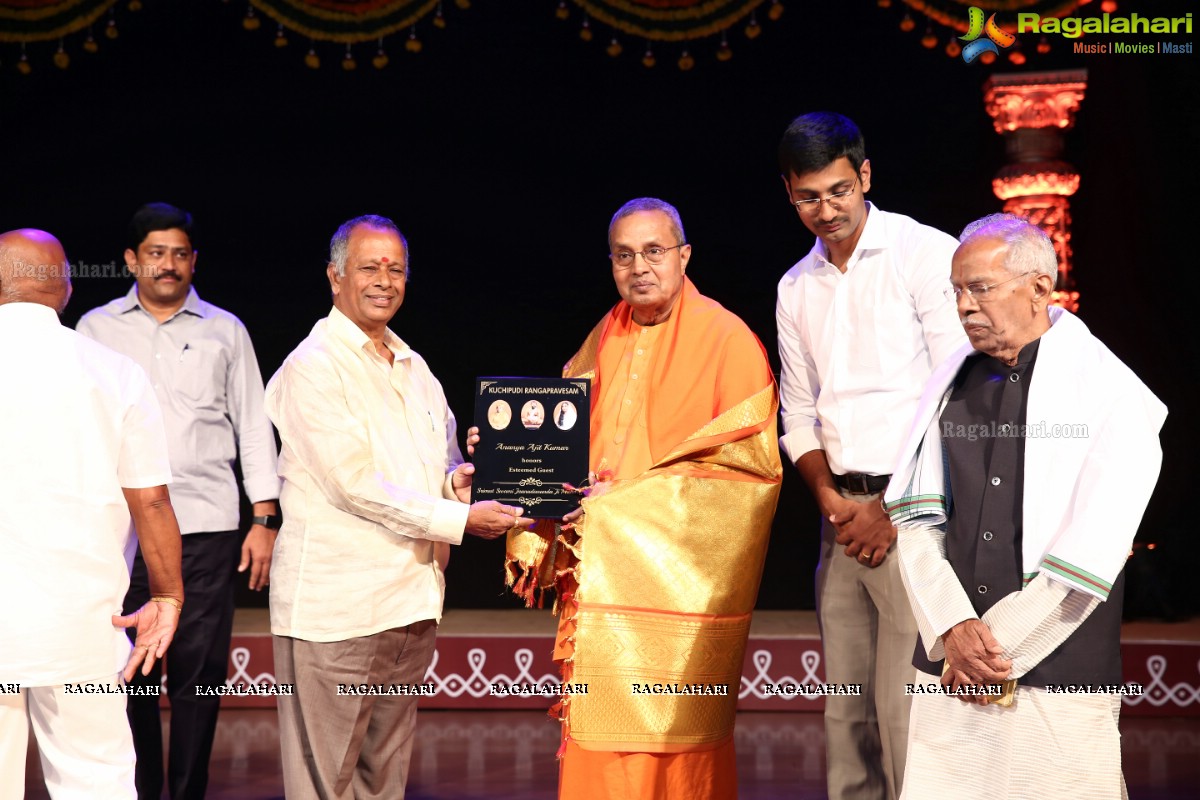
272, 521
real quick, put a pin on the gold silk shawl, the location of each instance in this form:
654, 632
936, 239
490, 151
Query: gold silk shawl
658, 581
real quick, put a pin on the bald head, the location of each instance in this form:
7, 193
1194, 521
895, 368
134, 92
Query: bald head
33, 269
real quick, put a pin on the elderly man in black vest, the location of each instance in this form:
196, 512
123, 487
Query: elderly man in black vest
1016, 499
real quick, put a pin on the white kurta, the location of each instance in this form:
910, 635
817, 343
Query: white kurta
82, 424
368, 509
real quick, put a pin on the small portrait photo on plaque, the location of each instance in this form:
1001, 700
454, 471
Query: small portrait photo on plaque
533, 414
565, 415
499, 415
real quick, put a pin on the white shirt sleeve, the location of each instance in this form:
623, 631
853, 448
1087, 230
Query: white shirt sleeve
938, 312
142, 460
799, 384
256, 439
1031, 623
938, 600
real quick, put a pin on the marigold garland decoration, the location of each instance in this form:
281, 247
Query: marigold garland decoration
670, 21
349, 22
25, 22
46, 20
346, 21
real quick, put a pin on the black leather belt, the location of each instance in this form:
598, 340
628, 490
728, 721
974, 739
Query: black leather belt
860, 483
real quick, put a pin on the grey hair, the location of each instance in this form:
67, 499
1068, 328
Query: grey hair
1029, 248
339, 245
16, 285
9, 292
649, 204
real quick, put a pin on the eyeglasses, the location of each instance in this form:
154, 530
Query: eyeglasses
982, 292
836, 200
651, 255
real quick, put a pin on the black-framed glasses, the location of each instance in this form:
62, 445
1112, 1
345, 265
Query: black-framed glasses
981, 292
836, 201
623, 259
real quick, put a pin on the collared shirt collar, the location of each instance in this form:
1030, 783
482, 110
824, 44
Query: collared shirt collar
874, 237
1028, 353
35, 313
191, 303
347, 331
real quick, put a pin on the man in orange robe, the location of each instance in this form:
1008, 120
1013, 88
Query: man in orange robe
657, 573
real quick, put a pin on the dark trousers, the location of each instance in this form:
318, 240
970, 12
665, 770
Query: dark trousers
199, 655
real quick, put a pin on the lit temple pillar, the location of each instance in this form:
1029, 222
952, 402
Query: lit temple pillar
1031, 110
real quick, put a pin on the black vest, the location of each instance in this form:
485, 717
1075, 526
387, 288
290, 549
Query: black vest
983, 441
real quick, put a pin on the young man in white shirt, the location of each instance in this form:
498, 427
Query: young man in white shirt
863, 320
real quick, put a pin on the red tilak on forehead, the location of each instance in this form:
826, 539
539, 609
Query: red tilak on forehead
384, 259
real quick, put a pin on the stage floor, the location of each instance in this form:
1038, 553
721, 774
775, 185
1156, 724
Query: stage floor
509, 755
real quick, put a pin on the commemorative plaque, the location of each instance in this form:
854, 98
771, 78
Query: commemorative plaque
533, 438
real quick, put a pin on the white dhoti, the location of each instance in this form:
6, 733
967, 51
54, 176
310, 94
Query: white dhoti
962, 750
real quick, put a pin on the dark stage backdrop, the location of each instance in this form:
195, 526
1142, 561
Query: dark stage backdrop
504, 147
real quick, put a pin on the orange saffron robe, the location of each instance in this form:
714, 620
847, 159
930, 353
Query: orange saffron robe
656, 584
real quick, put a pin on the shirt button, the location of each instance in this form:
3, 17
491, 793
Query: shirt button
987, 536
633, 377
981, 589
1005, 428
158, 355
628, 401
1014, 377
995, 481
640, 352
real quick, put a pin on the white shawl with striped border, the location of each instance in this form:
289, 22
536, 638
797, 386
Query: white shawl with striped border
1092, 458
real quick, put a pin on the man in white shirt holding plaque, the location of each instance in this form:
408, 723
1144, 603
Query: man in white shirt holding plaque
374, 494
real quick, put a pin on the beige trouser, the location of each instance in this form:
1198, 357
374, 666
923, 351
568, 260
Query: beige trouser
868, 635
350, 747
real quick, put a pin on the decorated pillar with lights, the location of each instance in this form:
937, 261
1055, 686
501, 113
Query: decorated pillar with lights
1031, 111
